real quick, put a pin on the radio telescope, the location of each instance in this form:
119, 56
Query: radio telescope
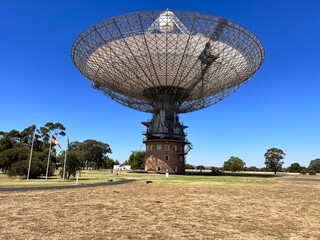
167, 63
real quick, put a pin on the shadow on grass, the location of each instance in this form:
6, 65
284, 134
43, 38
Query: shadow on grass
233, 174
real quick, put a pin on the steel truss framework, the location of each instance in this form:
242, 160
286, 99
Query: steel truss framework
180, 60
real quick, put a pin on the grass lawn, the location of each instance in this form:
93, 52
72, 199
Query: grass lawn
181, 207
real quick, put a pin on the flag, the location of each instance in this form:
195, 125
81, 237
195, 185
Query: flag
54, 140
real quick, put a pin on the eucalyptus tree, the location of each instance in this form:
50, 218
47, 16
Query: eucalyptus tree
273, 158
234, 164
5, 142
51, 129
74, 163
315, 165
94, 151
27, 134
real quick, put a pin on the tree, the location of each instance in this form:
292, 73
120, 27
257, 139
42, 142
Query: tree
94, 151
189, 166
273, 158
74, 163
51, 129
233, 164
15, 147
11, 156
201, 167
295, 168
75, 146
108, 163
27, 135
9, 139
315, 165
5, 143
136, 161
15, 162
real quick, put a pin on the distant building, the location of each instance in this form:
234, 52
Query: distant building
122, 167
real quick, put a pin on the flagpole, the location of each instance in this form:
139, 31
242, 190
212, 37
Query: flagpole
49, 157
33, 137
65, 159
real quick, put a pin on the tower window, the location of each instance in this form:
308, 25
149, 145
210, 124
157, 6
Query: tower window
151, 148
159, 147
174, 148
166, 157
167, 147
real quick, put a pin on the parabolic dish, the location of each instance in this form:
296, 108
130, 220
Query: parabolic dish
135, 58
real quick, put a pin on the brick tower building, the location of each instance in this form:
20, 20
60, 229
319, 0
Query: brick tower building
166, 144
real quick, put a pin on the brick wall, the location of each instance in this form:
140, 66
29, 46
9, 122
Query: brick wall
162, 155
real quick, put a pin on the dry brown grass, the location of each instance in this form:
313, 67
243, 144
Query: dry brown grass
281, 208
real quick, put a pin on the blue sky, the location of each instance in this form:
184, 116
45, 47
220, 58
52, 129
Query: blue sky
278, 107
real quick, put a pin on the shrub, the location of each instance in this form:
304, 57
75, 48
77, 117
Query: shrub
11, 156
303, 172
294, 168
253, 169
216, 172
37, 168
312, 172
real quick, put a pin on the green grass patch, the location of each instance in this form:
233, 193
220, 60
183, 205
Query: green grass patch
205, 181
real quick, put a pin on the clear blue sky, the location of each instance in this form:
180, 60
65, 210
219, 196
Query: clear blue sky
279, 107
